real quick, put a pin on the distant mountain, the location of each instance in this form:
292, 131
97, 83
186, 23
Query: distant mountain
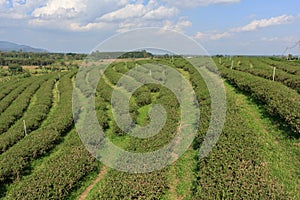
9, 46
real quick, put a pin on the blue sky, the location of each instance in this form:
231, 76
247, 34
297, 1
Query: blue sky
221, 26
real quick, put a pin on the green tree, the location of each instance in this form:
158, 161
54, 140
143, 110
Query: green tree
15, 68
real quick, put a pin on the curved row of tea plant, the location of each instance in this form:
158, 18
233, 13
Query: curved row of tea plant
242, 160
12, 93
63, 170
33, 116
153, 185
17, 159
256, 67
8, 88
215, 178
279, 100
19, 105
59, 174
292, 67
235, 168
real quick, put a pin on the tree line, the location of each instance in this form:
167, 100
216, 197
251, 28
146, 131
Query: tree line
36, 59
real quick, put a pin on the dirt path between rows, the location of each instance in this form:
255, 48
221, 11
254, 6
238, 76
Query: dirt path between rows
89, 188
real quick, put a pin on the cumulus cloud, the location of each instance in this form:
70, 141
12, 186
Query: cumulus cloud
252, 26
179, 26
75, 15
151, 11
161, 13
85, 15
129, 11
18, 9
83, 10
140, 15
176, 25
60, 8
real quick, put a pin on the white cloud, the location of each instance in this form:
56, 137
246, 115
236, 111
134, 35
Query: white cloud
161, 13
151, 11
68, 25
140, 15
129, 11
196, 3
220, 35
18, 9
213, 35
74, 15
83, 10
133, 24
263, 23
85, 15
60, 8
179, 26
89, 26
252, 26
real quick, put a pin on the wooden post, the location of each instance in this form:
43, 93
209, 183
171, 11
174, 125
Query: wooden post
274, 73
25, 130
220, 61
232, 63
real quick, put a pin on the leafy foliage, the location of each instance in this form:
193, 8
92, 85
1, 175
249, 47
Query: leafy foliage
279, 100
15, 161
18, 106
33, 116
264, 68
58, 175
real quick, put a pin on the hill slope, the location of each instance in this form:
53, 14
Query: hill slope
9, 46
